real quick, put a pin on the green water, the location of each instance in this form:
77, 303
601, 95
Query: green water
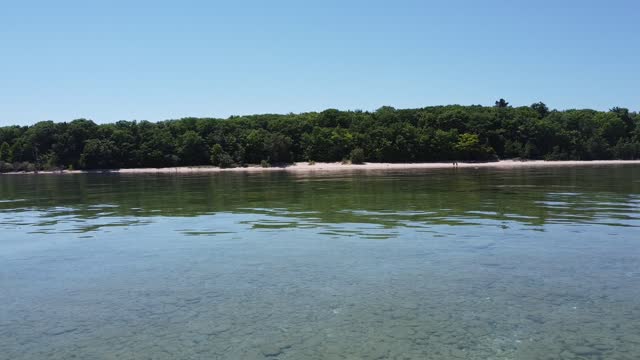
446, 264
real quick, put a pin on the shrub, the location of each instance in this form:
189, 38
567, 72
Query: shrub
5, 167
225, 161
24, 166
626, 150
357, 156
216, 151
556, 155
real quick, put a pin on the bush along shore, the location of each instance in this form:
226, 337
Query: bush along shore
432, 134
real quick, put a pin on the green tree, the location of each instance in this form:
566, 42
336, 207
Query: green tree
530, 150
541, 109
610, 127
388, 134
357, 156
5, 152
192, 149
221, 158
624, 115
279, 147
225, 161
502, 103
513, 149
626, 149
98, 154
468, 147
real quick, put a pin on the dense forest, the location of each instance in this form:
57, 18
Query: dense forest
439, 133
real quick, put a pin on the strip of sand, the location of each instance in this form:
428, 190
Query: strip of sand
303, 167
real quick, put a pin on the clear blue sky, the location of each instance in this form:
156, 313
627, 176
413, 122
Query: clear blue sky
154, 60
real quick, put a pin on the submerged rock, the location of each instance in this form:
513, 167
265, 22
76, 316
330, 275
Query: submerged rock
273, 350
270, 350
60, 331
582, 350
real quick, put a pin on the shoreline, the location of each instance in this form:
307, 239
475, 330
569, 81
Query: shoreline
302, 167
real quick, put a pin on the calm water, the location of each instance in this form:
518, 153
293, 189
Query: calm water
466, 264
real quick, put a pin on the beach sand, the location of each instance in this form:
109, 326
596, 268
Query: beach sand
337, 166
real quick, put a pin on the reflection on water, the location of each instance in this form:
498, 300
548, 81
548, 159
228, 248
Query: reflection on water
486, 264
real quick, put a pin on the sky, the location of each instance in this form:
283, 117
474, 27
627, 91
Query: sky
157, 60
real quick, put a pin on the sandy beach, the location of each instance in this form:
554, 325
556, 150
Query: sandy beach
305, 167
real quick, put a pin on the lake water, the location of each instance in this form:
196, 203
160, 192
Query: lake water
440, 264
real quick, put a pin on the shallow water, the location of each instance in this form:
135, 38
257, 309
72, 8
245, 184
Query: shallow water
444, 264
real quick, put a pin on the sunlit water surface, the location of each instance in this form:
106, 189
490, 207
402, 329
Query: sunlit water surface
455, 264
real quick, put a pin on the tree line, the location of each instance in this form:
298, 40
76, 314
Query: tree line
438, 133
